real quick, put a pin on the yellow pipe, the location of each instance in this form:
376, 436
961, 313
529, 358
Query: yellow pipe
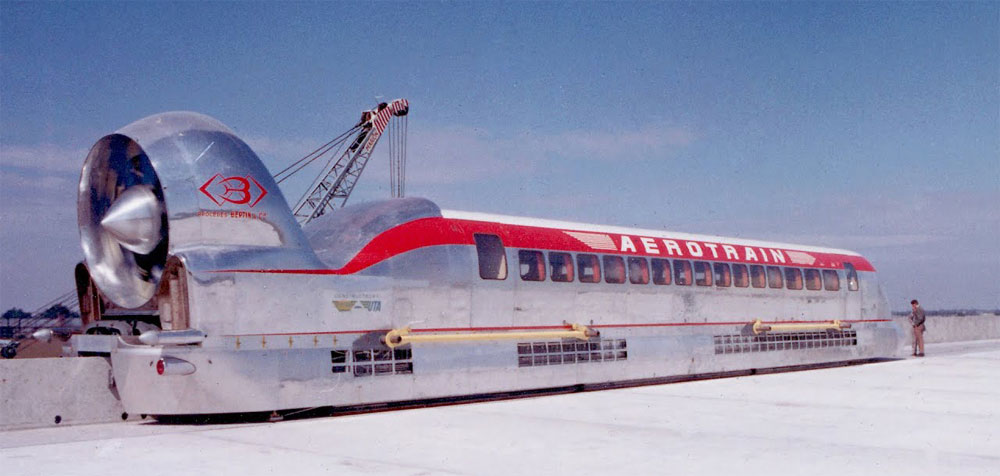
759, 327
398, 337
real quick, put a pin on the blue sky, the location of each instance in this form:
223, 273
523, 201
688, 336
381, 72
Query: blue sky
868, 126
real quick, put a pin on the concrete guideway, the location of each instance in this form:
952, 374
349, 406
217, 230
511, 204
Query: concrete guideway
936, 415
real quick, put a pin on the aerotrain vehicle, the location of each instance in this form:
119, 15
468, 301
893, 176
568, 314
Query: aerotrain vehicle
209, 297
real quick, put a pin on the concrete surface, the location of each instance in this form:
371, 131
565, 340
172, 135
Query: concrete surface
936, 415
34, 392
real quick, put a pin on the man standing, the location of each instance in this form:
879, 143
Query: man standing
917, 318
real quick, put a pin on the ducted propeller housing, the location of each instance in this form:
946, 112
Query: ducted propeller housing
180, 184
123, 221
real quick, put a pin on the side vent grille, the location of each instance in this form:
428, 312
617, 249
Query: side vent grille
536, 354
778, 341
368, 362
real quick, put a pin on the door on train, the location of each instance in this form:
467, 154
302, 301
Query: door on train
493, 288
851, 286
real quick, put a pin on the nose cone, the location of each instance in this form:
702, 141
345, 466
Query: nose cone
135, 219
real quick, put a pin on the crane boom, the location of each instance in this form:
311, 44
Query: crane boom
333, 186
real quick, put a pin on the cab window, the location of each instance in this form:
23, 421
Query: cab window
532, 265
661, 271
614, 269
588, 269
638, 270
492, 257
561, 267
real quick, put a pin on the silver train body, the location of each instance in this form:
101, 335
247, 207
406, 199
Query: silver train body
212, 299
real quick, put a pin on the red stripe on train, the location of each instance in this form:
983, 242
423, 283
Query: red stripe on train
436, 231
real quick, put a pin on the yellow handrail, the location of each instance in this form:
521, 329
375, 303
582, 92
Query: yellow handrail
402, 336
836, 325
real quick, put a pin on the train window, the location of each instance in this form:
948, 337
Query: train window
813, 281
831, 280
492, 257
774, 277
722, 276
638, 271
702, 273
588, 268
661, 271
614, 269
561, 265
793, 278
758, 278
852, 277
741, 278
682, 273
532, 265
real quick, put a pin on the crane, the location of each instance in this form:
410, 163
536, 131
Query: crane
335, 182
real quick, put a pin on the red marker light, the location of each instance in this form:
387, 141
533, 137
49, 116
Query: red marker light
174, 366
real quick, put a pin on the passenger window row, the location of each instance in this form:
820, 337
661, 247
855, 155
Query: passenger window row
562, 267
639, 270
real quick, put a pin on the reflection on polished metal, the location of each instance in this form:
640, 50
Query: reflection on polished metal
42, 335
187, 336
134, 219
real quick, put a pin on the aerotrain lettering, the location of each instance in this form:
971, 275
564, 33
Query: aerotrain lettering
730, 252
649, 245
696, 249
672, 248
778, 257
627, 245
